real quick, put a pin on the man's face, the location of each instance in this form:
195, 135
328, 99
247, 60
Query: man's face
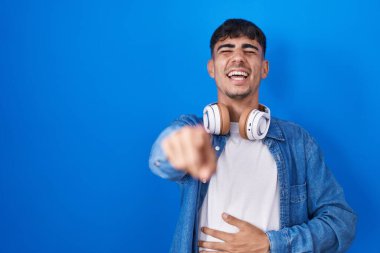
238, 65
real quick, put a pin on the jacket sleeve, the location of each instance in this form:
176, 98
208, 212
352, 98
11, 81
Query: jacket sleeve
158, 162
331, 225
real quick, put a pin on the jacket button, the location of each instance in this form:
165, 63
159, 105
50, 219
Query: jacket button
217, 148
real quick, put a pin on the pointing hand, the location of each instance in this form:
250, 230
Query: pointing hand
190, 149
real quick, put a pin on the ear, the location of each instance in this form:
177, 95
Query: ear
210, 68
264, 69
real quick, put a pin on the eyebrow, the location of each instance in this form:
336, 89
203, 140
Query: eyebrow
245, 45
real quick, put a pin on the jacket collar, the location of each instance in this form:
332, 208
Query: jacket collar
274, 130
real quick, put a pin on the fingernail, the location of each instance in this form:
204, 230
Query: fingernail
225, 216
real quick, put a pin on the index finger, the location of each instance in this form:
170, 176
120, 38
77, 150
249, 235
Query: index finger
224, 236
234, 221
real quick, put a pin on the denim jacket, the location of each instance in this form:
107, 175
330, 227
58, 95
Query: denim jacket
314, 216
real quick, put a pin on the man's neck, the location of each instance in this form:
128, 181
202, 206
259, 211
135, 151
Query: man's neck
236, 107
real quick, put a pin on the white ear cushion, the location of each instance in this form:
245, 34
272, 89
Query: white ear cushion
211, 119
257, 125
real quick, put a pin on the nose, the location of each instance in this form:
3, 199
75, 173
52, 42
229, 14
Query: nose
237, 57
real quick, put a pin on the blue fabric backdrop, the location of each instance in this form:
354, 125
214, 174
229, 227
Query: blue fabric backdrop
86, 86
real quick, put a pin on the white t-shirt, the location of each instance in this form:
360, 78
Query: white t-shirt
245, 185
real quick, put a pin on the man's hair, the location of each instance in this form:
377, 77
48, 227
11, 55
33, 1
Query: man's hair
234, 28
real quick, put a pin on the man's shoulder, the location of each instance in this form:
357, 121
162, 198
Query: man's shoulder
290, 129
188, 119
287, 124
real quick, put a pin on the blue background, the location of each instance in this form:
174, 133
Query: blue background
86, 86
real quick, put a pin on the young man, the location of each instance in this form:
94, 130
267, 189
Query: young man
259, 185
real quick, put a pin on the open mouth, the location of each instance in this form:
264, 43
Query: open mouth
237, 75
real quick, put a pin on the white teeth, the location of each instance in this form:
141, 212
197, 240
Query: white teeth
237, 73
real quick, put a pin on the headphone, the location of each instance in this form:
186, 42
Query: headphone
253, 123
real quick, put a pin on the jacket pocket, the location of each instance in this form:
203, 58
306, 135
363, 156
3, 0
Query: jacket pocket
298, 204
298, 193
